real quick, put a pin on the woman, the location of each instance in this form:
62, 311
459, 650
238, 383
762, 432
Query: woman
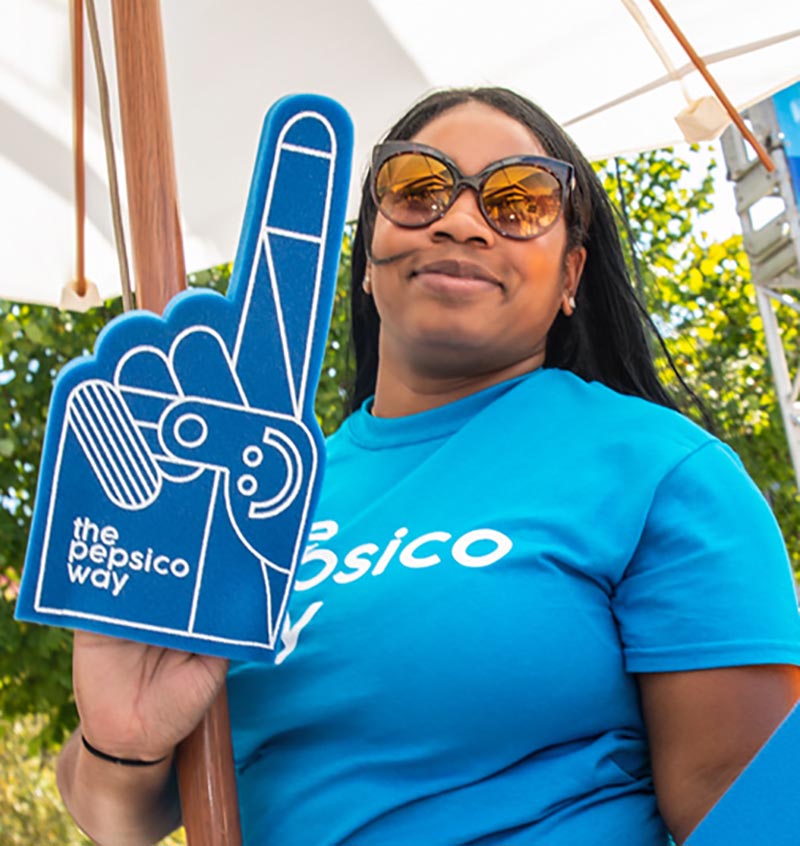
531, 610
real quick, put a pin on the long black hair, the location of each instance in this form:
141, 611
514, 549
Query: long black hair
607, 337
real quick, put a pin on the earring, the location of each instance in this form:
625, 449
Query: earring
572, 303
568, 305
366, 285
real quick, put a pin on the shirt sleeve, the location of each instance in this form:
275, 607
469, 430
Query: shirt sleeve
710, 583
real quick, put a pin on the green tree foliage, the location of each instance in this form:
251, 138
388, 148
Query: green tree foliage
701, 297
334, 382
31, 812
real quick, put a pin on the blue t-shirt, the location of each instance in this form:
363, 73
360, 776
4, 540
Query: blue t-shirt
481, 583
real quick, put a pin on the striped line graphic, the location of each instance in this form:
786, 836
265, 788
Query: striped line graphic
113, 446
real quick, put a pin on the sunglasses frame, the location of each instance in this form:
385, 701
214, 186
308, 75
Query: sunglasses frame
563, 173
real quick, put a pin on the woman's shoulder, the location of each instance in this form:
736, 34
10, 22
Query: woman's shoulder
570, 394
593, 418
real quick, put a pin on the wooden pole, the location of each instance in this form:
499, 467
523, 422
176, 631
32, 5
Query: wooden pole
205, 759
157, 246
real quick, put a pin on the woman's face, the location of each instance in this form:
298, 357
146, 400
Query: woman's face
459, 299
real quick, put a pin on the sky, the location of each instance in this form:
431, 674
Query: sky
723, 221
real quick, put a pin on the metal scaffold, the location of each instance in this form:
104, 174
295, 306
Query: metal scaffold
773, 248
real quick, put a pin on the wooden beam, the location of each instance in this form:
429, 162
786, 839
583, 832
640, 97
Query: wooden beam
157, 245
205, 759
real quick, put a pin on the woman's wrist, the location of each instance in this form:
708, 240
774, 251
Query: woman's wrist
124, 806
114, 759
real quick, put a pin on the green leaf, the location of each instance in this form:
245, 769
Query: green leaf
34, 333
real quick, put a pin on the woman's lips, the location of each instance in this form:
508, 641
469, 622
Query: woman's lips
455, 278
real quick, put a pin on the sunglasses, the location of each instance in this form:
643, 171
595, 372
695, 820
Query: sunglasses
520, 197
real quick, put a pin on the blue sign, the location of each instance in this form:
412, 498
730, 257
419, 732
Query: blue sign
761, 805
787, 110
182, 460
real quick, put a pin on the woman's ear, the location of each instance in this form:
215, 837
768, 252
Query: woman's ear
366, 283
573, 270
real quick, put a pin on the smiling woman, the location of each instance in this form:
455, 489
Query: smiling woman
608, 306
505, 389
576, 637
458, 299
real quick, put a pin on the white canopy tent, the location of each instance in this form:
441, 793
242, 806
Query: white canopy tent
607, 69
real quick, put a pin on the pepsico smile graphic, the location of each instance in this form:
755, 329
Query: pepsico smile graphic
182, 461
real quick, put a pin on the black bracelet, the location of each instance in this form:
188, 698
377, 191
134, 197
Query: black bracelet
125, 762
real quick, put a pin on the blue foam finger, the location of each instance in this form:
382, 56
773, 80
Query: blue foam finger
276, 278
217, 379
182, 460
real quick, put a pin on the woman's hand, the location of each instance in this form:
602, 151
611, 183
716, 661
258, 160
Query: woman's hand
138, 701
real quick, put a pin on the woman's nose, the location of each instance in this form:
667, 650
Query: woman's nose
464, 221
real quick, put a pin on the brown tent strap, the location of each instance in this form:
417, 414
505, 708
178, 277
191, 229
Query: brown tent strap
762, 154
76, 32
111, 164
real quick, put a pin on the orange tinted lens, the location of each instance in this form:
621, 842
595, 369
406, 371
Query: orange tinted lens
413, 189
522, 200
